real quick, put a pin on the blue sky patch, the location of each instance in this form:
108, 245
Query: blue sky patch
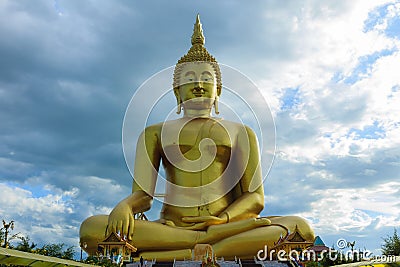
372, 213
393, 27
290, 99
37, 191
364, 66
337, 77
373, 131
378, 16
375, 17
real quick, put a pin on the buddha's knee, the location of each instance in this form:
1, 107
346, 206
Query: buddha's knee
91, 232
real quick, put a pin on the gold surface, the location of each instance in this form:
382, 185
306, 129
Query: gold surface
215, 192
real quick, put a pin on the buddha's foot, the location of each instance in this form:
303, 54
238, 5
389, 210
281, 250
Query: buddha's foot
221, 231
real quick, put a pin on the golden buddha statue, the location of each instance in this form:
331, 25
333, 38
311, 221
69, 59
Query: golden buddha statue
212, 166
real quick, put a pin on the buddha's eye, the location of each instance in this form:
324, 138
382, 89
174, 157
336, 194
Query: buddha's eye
207, 79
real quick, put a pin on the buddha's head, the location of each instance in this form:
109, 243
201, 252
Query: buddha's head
197, 76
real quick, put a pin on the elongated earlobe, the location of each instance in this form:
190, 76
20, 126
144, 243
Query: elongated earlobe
216, 105
178, 102
178, 108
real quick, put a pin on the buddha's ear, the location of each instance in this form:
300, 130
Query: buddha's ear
216, 104
178, 101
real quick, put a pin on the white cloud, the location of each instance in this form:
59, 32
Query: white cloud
331, 42
344, 210
18, 201
322, 174
48, 212
52, 214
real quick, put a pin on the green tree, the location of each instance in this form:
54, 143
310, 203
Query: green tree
2, 235
24, 245
96, 261
57, 250
5, 235
391, 245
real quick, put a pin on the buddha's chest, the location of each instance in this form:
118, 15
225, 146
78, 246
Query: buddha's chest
195, 133
197, 143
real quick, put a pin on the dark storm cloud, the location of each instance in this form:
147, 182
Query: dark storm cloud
356, 172
69, 69
66, 81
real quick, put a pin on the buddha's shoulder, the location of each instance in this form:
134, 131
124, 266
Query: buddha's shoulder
166, 124
178, 123
159, 127
153, 129
236, 126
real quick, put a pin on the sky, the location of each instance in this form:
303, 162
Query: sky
327, 70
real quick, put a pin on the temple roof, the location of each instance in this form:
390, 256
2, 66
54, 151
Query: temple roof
318, 241
294, 237
115, 240
113, 237
319, 245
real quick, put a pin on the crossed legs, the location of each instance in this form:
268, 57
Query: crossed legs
242, 238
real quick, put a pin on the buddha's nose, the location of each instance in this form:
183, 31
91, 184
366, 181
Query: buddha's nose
198, 84
198, 89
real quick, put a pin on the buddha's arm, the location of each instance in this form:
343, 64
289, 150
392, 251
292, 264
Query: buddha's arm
147, 161
146, 169
251, 201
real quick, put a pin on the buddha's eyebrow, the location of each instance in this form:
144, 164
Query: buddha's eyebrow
189, 73
206, 72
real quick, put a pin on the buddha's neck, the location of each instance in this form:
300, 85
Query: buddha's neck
197, 113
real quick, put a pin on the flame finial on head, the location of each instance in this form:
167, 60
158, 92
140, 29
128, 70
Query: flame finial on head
198, 36
197, 52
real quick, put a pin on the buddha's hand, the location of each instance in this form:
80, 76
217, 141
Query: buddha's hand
202, 222
121, 221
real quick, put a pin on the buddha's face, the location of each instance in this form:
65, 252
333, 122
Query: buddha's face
197, 88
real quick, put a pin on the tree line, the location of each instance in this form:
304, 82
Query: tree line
58, 250
391, 246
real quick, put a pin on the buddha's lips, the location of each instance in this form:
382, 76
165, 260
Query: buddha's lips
198, 94
198, 91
